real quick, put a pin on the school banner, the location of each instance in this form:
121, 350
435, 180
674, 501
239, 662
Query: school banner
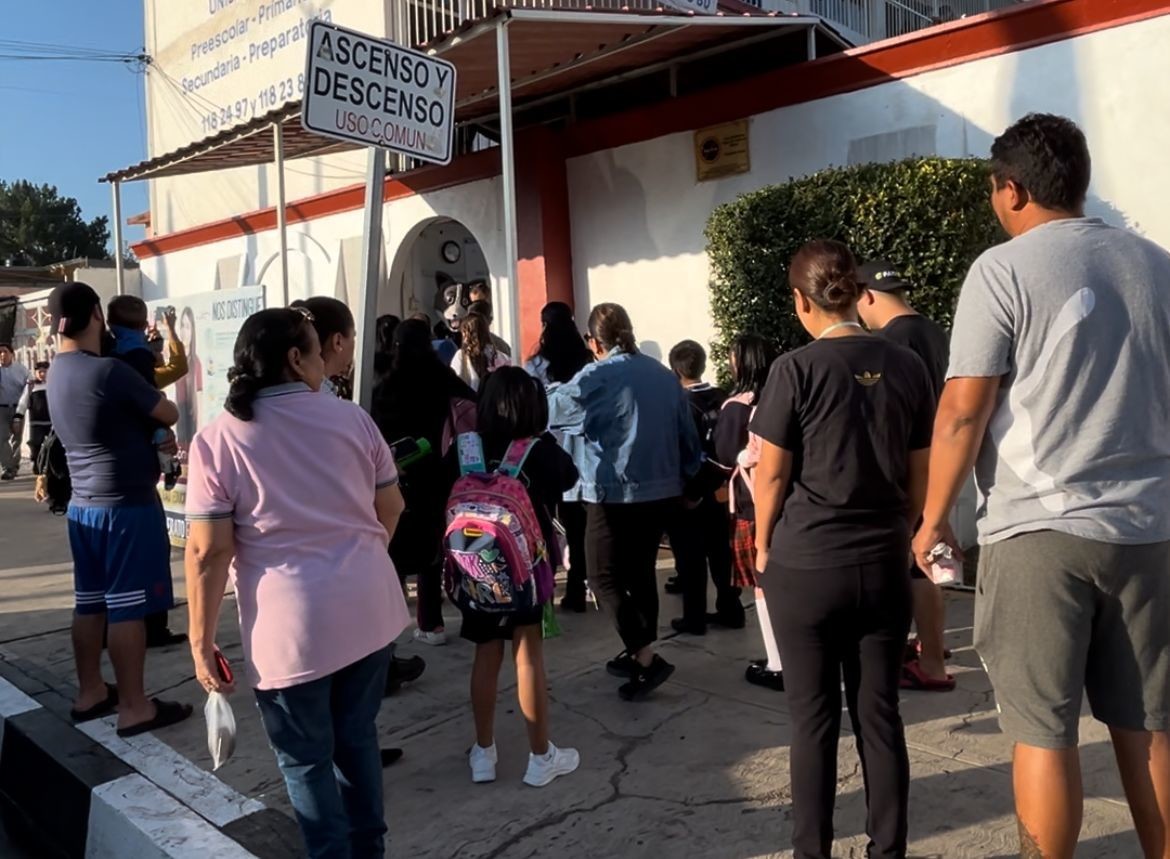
207, 324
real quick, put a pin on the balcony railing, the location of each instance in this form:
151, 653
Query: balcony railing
870, 20
415, 22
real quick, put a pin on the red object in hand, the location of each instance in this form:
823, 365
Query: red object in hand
222, 668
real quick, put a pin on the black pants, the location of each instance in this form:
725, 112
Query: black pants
851, 622
701, 542
36, 440
621, 547
572, 515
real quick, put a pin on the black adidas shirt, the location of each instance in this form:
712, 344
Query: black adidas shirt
926, 339
850, 409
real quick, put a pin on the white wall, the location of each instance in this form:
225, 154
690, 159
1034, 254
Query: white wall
221, 63
325, 254
638, 214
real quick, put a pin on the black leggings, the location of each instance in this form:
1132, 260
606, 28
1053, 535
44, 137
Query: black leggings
572, 515
621, 546
852, 622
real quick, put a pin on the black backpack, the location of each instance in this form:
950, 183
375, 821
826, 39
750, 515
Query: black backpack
54, 467
705, 410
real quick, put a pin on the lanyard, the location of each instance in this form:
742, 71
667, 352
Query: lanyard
838, 325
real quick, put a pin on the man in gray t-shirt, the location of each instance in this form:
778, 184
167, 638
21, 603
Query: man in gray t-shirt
1058, 393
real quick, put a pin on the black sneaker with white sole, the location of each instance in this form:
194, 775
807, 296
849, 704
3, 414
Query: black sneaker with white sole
646, 679
622, 665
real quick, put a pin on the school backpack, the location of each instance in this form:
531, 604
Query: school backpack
54, 467
706, 415
495, 556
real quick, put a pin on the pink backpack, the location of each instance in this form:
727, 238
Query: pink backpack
749, 457
496, 558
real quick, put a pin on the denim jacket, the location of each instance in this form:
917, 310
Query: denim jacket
626, 422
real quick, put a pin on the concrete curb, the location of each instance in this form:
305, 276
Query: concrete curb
88, 794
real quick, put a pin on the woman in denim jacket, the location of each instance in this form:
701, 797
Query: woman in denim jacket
626, 420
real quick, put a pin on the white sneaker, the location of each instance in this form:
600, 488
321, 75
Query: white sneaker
542, 769
483, 764
435, 638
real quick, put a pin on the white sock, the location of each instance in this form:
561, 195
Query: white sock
770, 645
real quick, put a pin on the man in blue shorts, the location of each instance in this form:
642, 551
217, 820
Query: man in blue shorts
105, 415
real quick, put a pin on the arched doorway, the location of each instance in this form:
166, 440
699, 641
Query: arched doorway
437, 252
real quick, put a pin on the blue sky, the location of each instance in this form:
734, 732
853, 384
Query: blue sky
67, 123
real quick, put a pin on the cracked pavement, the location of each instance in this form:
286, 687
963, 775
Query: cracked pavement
698, 770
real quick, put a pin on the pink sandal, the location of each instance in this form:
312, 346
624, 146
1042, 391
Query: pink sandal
914, 678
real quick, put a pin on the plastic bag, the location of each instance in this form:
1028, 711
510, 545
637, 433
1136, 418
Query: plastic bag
221, 728
549, 628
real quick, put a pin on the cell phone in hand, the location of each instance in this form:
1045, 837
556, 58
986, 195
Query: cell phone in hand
222, 668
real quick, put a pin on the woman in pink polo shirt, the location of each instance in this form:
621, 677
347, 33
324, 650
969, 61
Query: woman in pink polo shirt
318, 597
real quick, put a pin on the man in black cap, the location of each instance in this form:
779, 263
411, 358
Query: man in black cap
885, 311
105, 415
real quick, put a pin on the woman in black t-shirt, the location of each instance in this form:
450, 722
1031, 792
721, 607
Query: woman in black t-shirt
846, 424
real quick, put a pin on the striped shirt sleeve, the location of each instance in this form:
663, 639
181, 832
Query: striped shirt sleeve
210, 484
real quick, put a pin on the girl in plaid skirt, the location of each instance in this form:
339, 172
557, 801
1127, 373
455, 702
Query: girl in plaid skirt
737, 450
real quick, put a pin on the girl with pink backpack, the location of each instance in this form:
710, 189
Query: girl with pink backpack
738, 450
499, 570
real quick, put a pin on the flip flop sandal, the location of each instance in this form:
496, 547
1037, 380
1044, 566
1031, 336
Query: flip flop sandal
913, 678
166, 713
97, 710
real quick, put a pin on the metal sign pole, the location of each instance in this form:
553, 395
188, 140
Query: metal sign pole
508, 299
367, 321
119, 265
281, 213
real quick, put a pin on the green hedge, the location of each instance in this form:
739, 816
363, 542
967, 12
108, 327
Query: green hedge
928, 216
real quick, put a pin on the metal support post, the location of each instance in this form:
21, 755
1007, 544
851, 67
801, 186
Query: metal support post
508, 299
367, 320
281, 213
119, 264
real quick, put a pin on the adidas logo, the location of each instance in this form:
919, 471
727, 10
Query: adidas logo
868, 379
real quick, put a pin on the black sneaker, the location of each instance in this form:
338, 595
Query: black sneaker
623, 665
403, 671
683, 626
758, 675
165, 638
728, 619
8, 475
390, 757
646, 680
673, 586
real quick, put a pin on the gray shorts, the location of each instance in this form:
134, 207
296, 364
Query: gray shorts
1056, 615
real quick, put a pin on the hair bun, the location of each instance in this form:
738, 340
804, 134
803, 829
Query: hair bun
841, 290
238, 375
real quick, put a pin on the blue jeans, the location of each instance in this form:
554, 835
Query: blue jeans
326, 743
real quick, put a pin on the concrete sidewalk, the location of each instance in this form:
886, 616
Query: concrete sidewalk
701, 769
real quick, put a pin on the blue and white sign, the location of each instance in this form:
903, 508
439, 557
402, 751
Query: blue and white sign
374, 92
